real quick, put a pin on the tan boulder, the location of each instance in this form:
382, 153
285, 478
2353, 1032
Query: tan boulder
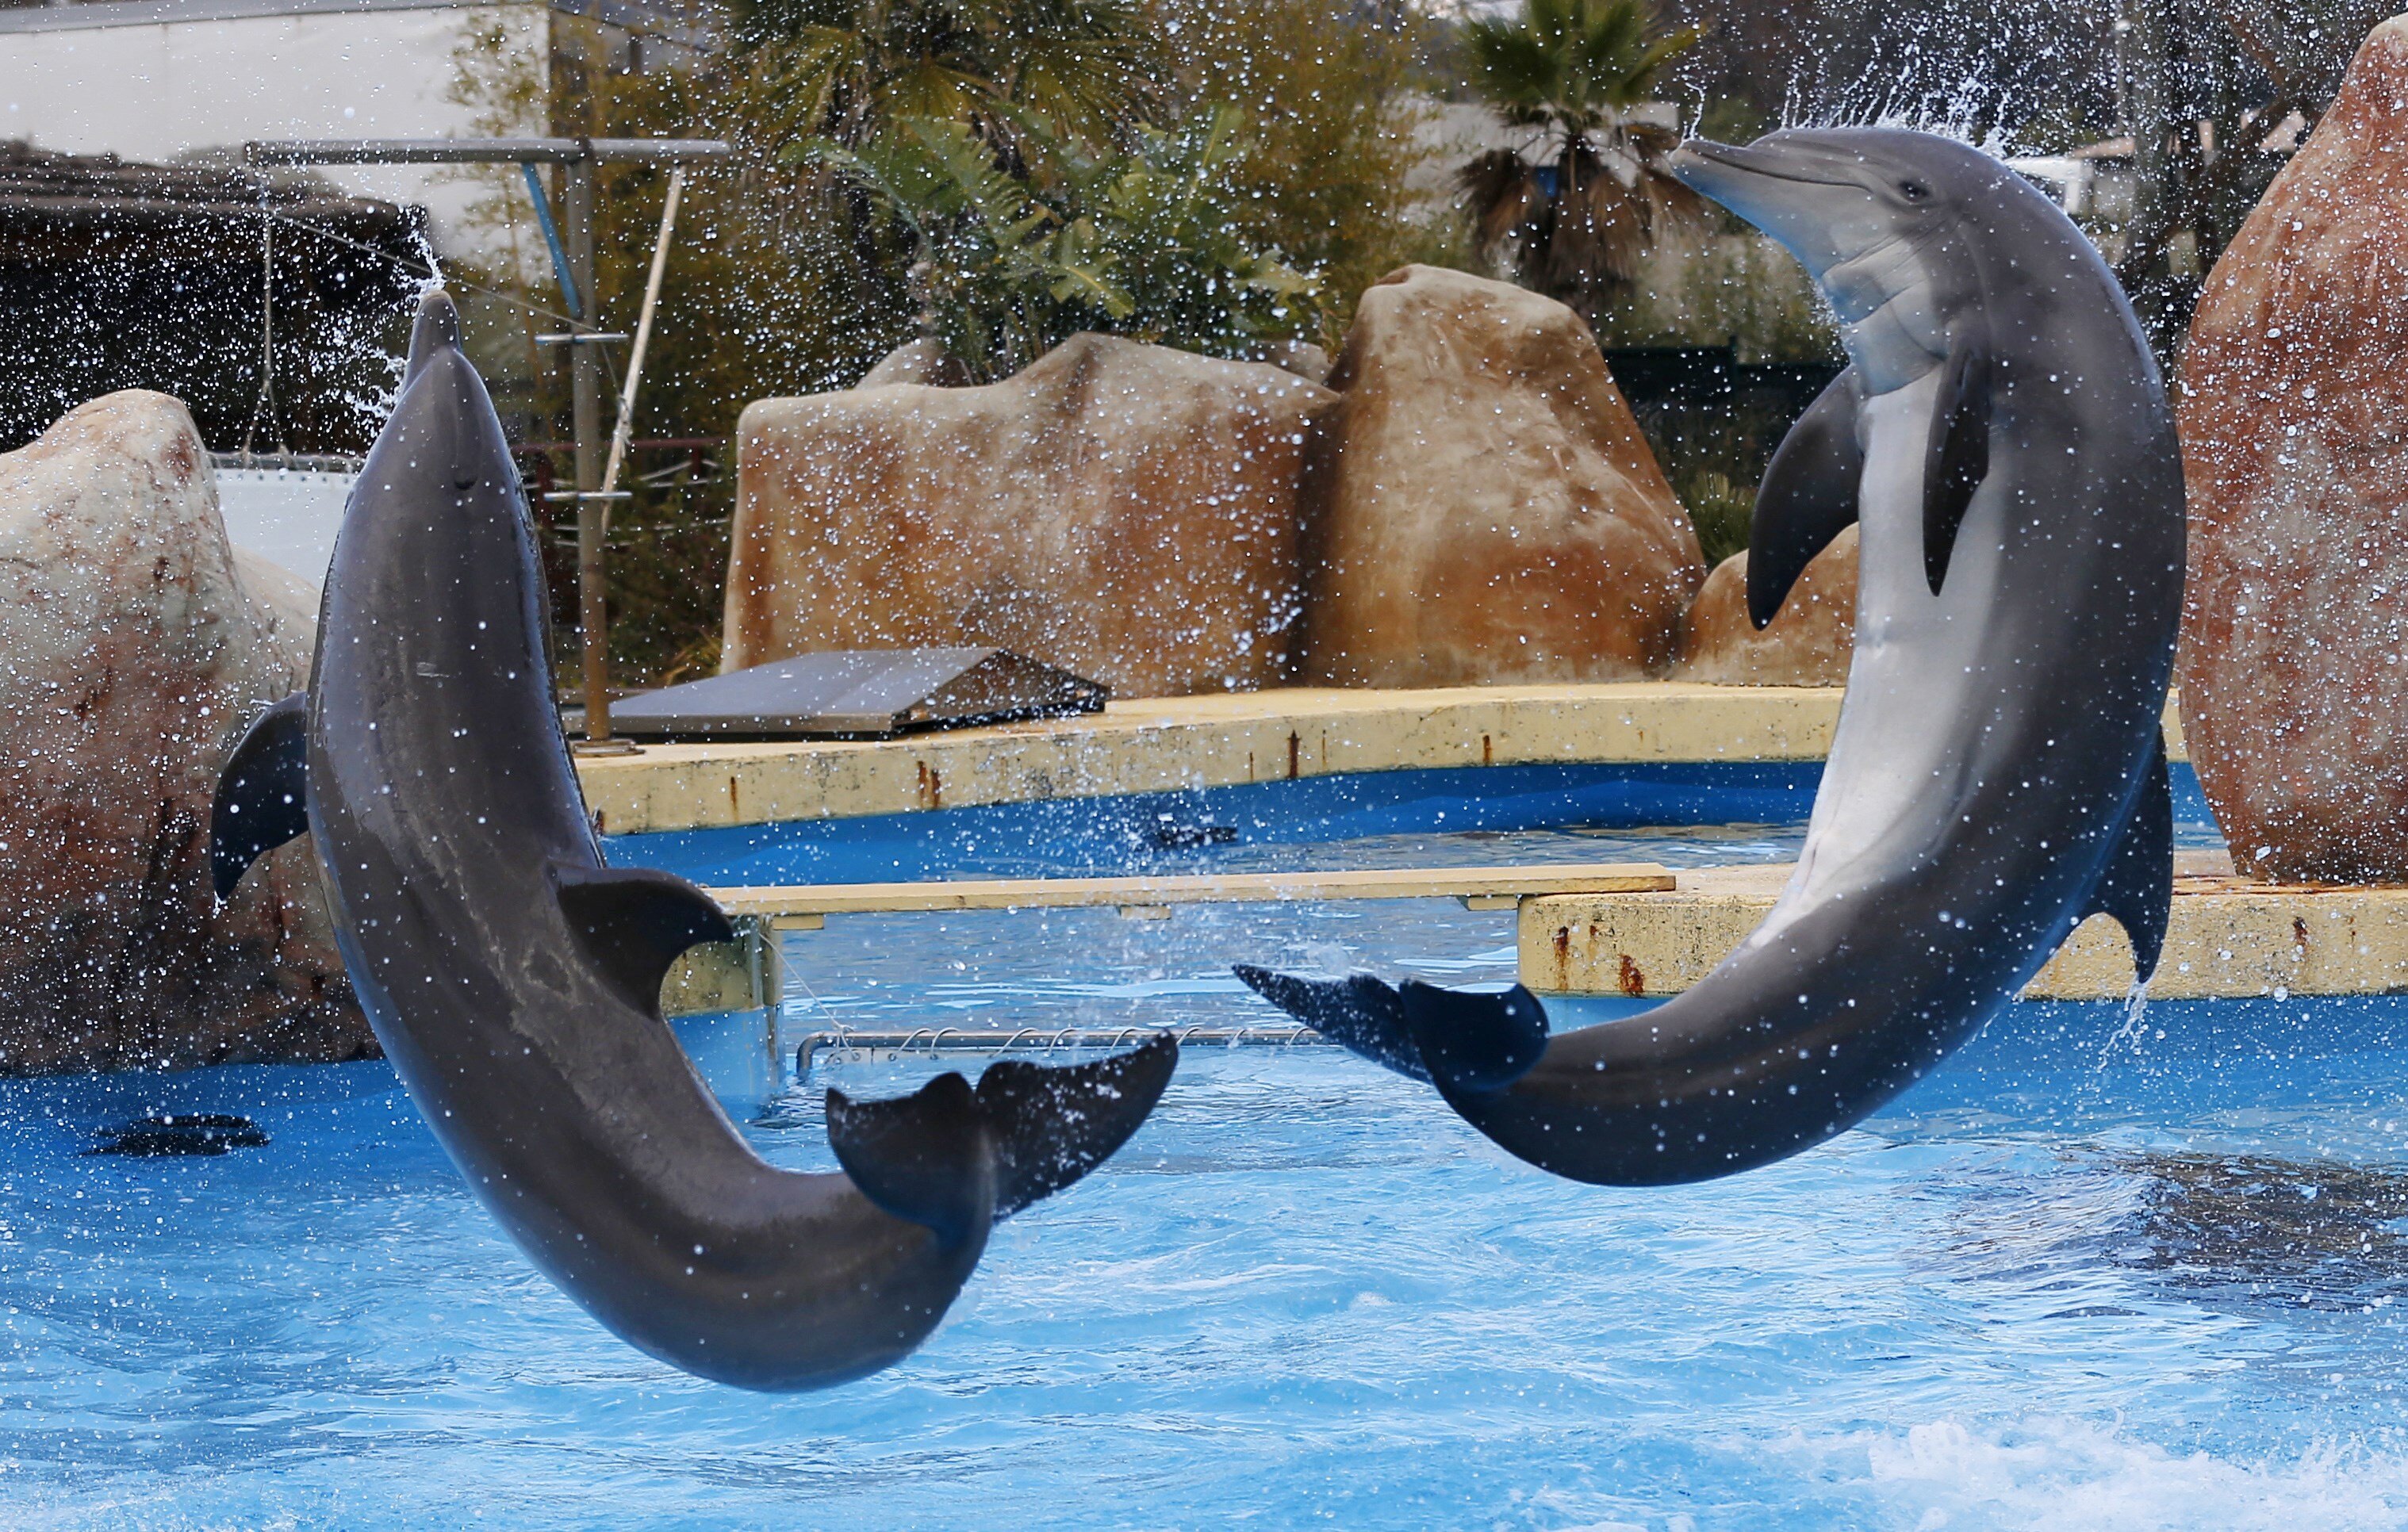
136, 653
921, 361
1124, 511
1809, 641
1483, 508
2294, 414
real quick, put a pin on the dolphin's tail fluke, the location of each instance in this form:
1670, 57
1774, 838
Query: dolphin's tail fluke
1361, 1012
954, 1158
1461, 1040
1474, 1043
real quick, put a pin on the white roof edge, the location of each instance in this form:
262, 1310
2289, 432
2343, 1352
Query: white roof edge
94, 15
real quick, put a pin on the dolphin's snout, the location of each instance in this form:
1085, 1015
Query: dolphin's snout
435, 329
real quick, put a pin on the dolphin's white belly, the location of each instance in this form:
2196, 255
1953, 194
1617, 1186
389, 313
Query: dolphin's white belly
1918, 667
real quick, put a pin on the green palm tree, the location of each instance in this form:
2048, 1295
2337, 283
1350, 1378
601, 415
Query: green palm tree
1574, 216
845, 70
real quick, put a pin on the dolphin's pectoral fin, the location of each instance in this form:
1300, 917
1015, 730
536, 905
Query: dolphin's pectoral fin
634, 921
262, 798
1054, 1124
957, 1159
1474, 1043
924, 1157
1808, 498
2138, 885
1958, 456
1361, 1012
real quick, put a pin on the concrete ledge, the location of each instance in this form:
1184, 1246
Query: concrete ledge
717, 976
1160, 744
802, 906
2227, 939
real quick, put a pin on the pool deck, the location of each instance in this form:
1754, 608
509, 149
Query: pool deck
1157, 744
2227, 938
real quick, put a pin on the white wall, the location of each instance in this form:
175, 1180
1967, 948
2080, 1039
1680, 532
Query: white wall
149, 93
287, 516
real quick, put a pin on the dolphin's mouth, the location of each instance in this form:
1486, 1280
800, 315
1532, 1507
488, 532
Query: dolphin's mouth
1749, 161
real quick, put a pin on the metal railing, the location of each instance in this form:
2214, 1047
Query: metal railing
883, 1044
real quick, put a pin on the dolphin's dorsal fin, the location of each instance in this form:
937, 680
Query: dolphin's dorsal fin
954, 1159
2136, 886
1361, 1012
1957, 458
1808, 498
634, 921
263, 799
1473, 1042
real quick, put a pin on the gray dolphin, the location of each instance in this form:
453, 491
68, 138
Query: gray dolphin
1998, 774
514, 979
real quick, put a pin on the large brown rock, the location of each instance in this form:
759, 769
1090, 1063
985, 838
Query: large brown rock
1125, 511
135, 653
2294, 665
1484, 505
1809, 641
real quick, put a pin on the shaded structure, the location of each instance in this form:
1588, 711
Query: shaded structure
117, 276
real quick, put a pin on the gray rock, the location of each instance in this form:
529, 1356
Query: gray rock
135, 646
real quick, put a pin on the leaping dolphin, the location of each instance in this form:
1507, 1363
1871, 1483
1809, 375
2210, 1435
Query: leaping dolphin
1998, 774
514, 979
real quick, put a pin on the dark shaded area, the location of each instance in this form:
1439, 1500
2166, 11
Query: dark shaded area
117, 276
2304, 1234
1989, 65
1714, 422
168, 1135
668, 557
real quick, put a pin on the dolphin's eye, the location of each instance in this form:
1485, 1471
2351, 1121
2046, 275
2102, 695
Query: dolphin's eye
1914, 190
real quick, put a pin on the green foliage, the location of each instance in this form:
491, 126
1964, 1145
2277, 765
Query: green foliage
1576, 225
1325, 87
846, 69
1144, 244
1571, 65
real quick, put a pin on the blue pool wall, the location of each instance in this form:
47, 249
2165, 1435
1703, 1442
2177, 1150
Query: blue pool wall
1148, 831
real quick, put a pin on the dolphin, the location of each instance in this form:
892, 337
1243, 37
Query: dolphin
2002, 438
514, 979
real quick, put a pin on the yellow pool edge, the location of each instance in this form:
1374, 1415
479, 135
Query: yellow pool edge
1158, 744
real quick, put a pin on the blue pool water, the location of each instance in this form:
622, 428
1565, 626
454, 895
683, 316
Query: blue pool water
2070, 1281
2089, 1275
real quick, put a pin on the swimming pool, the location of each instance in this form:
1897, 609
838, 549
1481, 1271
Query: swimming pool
2087, 1275
2075, 1278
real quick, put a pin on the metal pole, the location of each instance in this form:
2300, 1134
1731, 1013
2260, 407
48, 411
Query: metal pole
585, 405
625, 430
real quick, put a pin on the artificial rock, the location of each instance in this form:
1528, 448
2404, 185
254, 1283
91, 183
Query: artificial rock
2294, 663
1482, 507
1125, 511
137, 646
1808, 642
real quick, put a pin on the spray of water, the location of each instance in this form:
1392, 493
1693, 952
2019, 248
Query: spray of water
2136, 1015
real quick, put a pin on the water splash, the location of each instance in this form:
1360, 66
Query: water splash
2136, 1015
